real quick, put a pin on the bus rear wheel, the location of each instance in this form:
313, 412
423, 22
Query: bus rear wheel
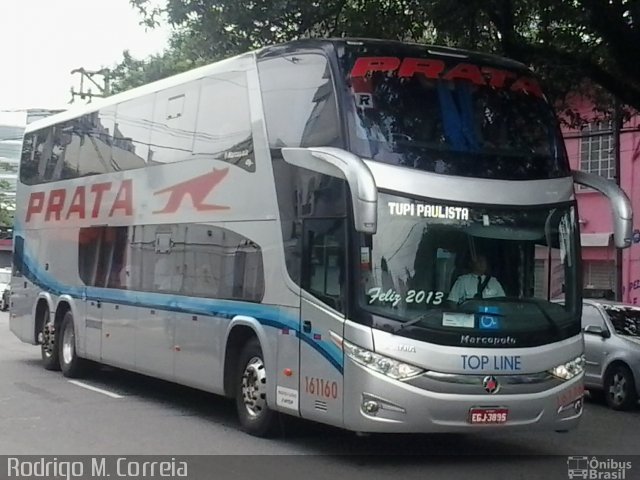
71, 365
48, 347
256, 418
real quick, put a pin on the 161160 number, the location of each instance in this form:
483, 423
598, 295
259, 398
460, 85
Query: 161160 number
320, 387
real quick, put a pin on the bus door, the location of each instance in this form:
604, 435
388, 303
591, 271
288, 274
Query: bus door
321, 313
24, 293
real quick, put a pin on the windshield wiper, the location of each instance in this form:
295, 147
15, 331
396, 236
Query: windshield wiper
410, 323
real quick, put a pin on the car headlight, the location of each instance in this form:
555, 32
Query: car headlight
379, 363
568, 370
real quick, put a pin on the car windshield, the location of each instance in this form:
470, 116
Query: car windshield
450, 116
625, 320
5, 277
452, 272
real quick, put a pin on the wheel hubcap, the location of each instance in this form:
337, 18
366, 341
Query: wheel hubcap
68, 345
618, 388
254, 387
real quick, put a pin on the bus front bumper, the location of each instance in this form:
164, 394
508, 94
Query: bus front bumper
376, 403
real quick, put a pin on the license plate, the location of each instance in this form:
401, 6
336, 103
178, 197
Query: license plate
488, 415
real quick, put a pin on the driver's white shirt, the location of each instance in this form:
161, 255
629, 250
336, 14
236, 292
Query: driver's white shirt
466, 287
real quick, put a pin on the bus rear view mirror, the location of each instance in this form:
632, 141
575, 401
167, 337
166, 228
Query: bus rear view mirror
342, 164
620, 204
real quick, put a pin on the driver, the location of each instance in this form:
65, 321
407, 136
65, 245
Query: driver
477, 284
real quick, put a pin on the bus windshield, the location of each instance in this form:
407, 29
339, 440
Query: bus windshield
450, 116
445, 273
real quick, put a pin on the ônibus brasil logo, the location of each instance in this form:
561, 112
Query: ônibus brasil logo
595, 468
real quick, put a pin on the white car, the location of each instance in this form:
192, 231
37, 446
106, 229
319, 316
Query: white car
5, 288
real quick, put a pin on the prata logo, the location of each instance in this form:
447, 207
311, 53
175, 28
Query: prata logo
480, 340
115, 199
198, 188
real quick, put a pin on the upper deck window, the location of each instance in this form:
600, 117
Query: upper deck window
449, 115
299, 101
207, 117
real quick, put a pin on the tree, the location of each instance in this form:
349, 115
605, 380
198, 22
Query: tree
132, 72
586, 46
7, 205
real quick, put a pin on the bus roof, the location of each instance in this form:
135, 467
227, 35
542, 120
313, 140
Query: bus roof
408, 47
328, 44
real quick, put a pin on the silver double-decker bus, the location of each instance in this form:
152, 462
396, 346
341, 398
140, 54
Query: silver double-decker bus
363, 233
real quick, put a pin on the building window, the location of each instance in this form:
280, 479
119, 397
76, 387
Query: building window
596, 149
599, 275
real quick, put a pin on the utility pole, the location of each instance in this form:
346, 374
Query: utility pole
103, 88
617, 125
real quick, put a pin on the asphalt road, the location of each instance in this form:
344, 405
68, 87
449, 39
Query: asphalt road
42, 413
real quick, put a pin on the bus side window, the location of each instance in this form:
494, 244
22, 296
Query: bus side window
323, 268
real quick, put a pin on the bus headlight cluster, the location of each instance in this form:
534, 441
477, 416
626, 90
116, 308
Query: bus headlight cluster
568, 370
379, 363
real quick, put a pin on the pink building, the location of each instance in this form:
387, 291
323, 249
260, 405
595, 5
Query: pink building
592, 149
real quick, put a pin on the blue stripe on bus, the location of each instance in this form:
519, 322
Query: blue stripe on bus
265, 314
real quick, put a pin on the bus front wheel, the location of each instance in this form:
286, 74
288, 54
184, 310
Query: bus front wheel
71, 365
256, 418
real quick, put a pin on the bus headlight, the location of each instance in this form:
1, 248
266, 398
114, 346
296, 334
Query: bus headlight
568, 370
379, 363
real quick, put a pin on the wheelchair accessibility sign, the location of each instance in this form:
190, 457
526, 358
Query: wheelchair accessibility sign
488, 318
489, 322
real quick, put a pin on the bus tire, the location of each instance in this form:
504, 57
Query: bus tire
71, 365
48, 347
256, 418
619, 388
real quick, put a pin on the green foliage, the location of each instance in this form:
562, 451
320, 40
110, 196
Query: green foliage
7, 205
589, 47
131, 72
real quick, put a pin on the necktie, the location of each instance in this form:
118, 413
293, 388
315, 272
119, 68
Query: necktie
479, 289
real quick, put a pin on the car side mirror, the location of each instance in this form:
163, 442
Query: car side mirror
597, 330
